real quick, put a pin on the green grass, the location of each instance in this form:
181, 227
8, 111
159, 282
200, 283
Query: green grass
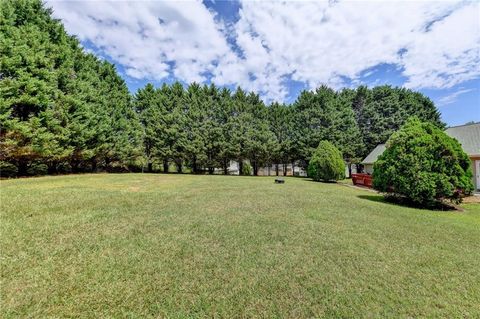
217, 246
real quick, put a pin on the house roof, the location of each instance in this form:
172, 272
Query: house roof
468, 135
372, 157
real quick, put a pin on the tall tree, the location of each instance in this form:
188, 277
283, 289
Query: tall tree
149, 112
280, 120
383, 110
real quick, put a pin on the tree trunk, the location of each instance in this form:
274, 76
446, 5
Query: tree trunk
349, 170
179, 166
73, 165
293, 168
284, 169
107, 163
94, 164
194, 165
52, 168
211, 170
255, 168
165, 166
225, 166
22, 168
240, 167
276, 169
149, 166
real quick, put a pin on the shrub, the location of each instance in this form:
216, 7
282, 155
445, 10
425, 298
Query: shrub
246, 169
424, 165
8, 169
37, 169
326, 163
64, 168
116, 167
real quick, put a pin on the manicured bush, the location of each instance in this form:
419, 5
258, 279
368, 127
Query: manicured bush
423, 165
326, 163
37, 169
8, 169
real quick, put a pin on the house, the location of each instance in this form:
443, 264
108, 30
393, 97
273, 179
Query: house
234, 169
469, 137
271, 170
372, 158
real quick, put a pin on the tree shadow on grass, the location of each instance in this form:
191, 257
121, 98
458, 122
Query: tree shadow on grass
403, 202
319, 182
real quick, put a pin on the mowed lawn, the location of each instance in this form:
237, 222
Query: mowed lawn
180, 246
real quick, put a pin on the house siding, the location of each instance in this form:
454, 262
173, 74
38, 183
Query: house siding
475, 172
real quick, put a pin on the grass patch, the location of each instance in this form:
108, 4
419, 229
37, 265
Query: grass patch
133, 245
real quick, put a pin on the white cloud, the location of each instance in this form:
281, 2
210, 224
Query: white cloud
450, 98
148, 37
324, 42
434, 44
448, 54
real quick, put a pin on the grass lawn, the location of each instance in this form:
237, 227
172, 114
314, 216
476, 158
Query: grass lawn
181, 246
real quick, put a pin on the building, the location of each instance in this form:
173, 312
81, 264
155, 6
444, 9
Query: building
372, 158
234, 169
469, 137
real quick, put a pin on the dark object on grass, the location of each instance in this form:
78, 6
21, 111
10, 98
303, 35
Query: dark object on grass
279, 181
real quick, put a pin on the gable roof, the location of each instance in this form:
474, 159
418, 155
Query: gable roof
372, 157
468, 135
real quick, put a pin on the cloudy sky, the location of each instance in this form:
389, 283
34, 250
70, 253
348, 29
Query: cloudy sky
280, 48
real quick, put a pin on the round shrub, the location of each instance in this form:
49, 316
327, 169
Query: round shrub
8, 169
423, 165
326, 163
37, 169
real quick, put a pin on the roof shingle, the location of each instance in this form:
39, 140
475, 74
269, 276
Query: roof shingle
468, 135
372, 157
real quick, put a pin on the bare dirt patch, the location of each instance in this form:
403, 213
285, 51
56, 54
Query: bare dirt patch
472, 199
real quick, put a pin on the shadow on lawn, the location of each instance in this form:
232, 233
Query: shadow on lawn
399, 201
320, 182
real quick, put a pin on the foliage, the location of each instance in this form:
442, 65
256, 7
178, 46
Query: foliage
325, 115
58, 104
326, 163
382, 110
37, 169
65, 108
246, 169
423, 164
7, 169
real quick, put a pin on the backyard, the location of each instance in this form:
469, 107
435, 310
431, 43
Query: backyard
153, 245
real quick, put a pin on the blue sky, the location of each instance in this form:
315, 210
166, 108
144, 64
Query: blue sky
280, 48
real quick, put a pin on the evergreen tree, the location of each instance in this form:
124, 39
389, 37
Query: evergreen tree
324, 115
149, 112
70, 111
383, 110
280, 120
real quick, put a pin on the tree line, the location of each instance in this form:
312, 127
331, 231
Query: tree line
65, 110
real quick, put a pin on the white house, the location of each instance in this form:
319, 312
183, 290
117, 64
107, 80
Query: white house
234, 169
